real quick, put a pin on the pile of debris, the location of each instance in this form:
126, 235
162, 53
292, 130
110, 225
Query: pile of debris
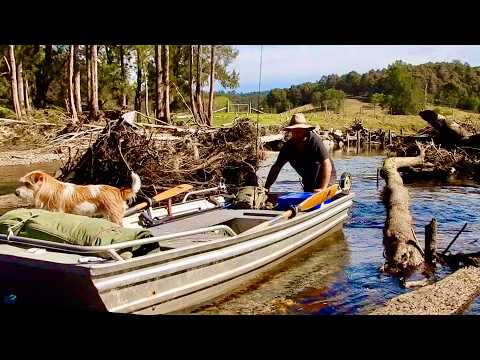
166, 156
451, 149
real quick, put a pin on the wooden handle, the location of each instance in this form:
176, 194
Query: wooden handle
167, 194
172, 192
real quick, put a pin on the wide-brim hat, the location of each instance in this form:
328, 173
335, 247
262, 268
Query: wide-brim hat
298, 121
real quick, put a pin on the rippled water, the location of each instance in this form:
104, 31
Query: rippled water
340, 275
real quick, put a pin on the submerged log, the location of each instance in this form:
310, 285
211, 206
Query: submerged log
401, 250
448, 296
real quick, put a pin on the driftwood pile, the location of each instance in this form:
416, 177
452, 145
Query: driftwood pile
167, 156
452, 150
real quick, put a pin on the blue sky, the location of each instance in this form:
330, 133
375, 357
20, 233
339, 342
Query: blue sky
285, 65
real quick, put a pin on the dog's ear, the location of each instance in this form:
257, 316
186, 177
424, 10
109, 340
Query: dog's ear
37, 177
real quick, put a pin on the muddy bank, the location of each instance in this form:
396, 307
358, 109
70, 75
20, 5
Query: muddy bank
29, 157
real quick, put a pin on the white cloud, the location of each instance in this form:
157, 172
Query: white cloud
293, 64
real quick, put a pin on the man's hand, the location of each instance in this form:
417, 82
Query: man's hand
319, 189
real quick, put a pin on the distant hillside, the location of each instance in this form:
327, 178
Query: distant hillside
452, 84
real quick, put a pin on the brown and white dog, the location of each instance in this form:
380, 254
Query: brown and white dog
48, 193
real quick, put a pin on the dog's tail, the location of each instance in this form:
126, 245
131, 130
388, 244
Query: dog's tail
129, 193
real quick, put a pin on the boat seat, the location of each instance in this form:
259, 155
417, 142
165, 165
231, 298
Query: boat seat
196, 221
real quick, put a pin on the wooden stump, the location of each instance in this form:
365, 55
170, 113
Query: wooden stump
401, 251
431, 242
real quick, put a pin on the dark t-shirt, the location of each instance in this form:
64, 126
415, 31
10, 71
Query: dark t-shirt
307, 162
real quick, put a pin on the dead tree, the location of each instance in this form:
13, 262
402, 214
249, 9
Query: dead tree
123, 75
89, 75
146, 94
198, 92
138, 91
94, 65
13, 81
21, 91
71, 96
166, 82
401, 249
212, 79
190, 83
76, 77
450, 131
158, 83
27, 97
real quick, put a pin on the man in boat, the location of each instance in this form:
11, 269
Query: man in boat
307, 154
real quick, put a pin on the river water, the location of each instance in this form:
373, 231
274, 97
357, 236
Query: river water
340, 274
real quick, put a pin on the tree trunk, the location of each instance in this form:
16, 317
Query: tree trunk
212, 80
94, 65
43, 79
190, 83
399, 242
124, 79
27, 97
13, 81
198, 93
89, 76
77, 80
21, 93
71, 96
166, 82
158, 83
146, 94
138, 92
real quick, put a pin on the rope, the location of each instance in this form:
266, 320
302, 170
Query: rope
258, 115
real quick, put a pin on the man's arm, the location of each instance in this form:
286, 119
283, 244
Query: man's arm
272, 175
326, 172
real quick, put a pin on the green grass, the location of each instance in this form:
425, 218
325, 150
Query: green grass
353, 109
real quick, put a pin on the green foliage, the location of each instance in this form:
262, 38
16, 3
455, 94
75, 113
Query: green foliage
6, 113
377, 98
470, 103
406, 94
277, 101
334, 99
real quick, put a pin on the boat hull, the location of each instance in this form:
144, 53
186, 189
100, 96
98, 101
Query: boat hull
180, 279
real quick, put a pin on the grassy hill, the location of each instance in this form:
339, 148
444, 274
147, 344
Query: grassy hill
355, 109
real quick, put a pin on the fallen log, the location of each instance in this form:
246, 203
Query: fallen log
401, 250
448, 296
450, 131
10, 201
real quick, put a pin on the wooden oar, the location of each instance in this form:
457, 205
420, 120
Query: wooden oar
306, 204
167, 194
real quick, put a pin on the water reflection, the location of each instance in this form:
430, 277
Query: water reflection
277, 292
